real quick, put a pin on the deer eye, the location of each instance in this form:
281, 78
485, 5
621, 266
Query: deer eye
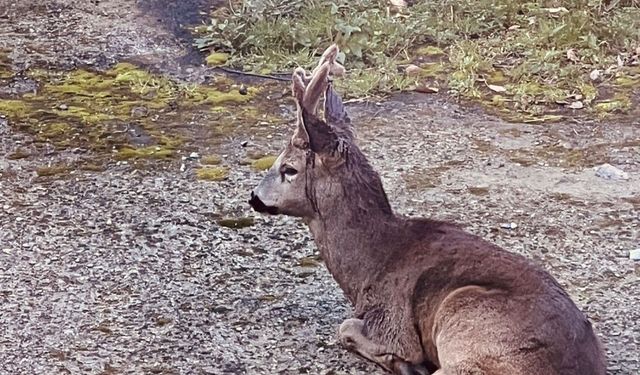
286, 170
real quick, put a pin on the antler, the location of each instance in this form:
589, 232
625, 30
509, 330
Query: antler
317, 83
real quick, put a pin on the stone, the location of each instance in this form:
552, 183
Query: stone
609, 172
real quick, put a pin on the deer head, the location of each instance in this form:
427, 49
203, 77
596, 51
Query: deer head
310, 173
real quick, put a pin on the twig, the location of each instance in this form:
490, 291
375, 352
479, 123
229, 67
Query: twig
239, 72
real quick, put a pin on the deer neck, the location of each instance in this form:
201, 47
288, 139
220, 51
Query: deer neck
349, 240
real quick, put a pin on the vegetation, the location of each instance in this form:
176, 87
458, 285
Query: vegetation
263, 163
526, 57
212, 174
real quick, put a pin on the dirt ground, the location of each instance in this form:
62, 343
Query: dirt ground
127, 271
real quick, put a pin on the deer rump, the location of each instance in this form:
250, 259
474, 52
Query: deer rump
427, 296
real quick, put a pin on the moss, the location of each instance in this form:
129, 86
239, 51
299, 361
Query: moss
309, 261
52, 170
5, 65
55, 130
627, 81
619, 103
263, 163
212, 174
19, 154
236, 223
588, 91
430, 51
151, 152
13, 108
217, 58
431, 70
94, 110
92, 167
496, 78
211, 160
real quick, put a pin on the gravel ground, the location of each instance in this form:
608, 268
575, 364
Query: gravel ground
126, 271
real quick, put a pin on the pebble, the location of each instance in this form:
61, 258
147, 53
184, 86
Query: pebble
609, 172
194, 155
509, 225
634, 254
63, 107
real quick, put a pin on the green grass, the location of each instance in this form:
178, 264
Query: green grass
529, 56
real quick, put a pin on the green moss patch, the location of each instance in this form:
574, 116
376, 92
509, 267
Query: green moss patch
263, 163
126, 108
19, 154
211, 160
53, 170
212, 174
217, 58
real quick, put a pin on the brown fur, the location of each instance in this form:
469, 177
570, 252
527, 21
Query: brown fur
425, 291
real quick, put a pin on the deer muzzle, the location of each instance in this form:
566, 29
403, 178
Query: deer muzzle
259, 206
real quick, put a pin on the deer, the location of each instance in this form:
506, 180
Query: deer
427, 296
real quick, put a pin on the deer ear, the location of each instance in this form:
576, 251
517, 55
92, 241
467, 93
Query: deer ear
300, 137
334, 111
322, 137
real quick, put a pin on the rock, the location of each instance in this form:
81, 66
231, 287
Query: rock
138, 112
194, 155
509, 225
634, 254
63, 107
413, 70
609, 172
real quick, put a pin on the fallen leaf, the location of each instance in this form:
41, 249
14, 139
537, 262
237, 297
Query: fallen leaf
576, 105
426, 89
620, 62
594, 75
557, 10
571, 55
514, 27
497, 88
398, 3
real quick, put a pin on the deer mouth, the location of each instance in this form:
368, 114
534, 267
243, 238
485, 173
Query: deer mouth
259, 206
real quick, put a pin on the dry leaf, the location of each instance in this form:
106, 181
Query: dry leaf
557, 10
571, 55
620, 62
576, 105
514, 27
426, 89
413, 70
497, 88
594, 75
400, 4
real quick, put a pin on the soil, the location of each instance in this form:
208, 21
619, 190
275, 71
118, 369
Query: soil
128, 267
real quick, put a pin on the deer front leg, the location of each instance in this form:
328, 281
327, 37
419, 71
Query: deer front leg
351, 336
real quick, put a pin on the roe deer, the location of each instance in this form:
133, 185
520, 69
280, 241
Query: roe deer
427, 296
